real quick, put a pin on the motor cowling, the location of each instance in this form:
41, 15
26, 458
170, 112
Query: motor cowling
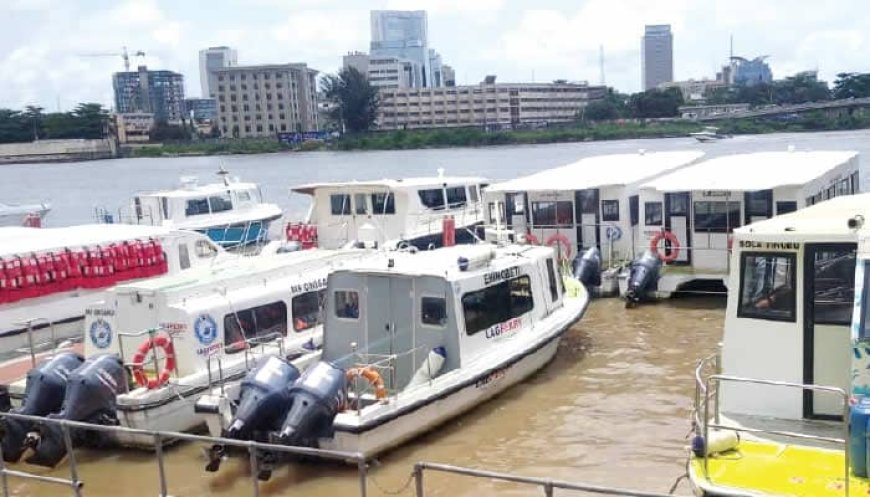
315, 399
587, 268
91, 395
263, 398
643, 275
44, 391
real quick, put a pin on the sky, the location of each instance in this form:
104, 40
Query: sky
44, 43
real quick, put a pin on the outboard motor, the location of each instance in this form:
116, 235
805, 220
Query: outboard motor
43, 394
587, 268
263, 400
90, 398
642, 277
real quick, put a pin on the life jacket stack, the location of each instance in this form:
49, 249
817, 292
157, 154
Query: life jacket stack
25, 276
305, 234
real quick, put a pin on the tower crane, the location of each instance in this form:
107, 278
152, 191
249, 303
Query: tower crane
123, 54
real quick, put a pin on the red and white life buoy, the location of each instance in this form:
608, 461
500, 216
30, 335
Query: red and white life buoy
148, 345
564, 245
670, 237
532, 239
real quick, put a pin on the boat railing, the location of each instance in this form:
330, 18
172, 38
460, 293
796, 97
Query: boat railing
707, 418
215, 363
151, 334
75, 483
31, 345
548, 485
384, 365
142, 215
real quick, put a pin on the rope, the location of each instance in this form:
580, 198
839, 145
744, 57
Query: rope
399, 490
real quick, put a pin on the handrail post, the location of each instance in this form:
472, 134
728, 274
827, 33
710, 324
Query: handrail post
152, 332
4, 480
418, 479
548, 489
161, 470
252, 456
363, 476
73, 468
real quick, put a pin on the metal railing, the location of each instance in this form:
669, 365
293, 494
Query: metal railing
547, 484
75, 483
705, 387
31, 346
151, 333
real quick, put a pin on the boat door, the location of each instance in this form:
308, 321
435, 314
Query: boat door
587, 218
389, 310
517, 212
677, 222
829, 280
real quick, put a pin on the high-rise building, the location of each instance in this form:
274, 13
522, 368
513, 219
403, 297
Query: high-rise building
266, 100
210, 59
751, 72
436, 68
401, 37
657, 55
448, 75
357, 60
201, 109
156, 92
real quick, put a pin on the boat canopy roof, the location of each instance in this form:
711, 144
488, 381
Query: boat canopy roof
827, 219
17, 240
191, 189
393, 184
598, 171
752, 172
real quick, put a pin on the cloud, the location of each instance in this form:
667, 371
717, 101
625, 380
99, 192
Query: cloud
434, 7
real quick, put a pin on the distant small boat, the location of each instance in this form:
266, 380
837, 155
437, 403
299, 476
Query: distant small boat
23, 215
708, 134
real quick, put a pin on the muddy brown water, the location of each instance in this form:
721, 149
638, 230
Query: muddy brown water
612, 408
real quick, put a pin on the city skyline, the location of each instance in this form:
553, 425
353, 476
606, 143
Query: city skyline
556, 40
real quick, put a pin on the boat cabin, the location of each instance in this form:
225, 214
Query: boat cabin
590, 203
790, 309
389, 212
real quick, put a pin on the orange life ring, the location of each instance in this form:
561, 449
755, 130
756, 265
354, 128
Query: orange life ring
564, 242
675, 245
372, 377
164, 343
532, 239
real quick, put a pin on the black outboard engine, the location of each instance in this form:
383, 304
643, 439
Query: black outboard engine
90, 398
43, 394
587, 268
263, 400
642, 277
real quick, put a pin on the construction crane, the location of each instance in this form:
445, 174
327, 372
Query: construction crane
123, 54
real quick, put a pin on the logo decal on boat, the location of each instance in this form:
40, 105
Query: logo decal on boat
505, 328
490, 378
205, 329
101, 334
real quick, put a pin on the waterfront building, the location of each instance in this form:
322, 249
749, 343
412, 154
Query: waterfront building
702, 111
156, 92
210, 59
657, 55
751, 72
357, 60
264, 100
400, 39
490, 105
694, 90
133, 127
437, 69
448, 75
201, 109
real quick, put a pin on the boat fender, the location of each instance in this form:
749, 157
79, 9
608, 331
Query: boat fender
720, 441
164, 342
430, 368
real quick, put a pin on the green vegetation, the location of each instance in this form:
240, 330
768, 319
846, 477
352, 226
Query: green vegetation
851, 85
88, 120
649, 104
354, 100
218, 147
797, 89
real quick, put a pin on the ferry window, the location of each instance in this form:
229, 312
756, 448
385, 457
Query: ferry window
551, 276
164, 204
196, 206
652, 213
633, 209
678, 204
339, 204
220, 203
244, 196
433, 311
347, 304
183, 256
717, 217
496, 304
843, 187
205, 249
758, 203
786, 206
265, 321
433, 199
767, 286
360, 203
864, 330
472, 194
833, 285
456, 196
856, 184
383, 203
610, 210
552, 213
306, 309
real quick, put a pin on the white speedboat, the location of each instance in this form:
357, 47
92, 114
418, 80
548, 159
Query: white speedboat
708, 134
23, 214
48, 276
391, 212
178, 336
411, 341
231, 213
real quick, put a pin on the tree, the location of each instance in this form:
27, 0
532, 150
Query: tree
800, 88
354, 99
162, 131
612, 106
852, 85
656, 103
14, 127
33, 114
92, 119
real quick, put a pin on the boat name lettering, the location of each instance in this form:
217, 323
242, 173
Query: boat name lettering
491, 377
174, 328
770, 245
501, 275
99, 312
210, 349
715, 193
504, 328
308, 286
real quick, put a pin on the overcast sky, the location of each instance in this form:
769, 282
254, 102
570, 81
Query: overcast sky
42, 41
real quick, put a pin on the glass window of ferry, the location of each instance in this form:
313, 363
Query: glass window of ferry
204, 249
864, 331
496, 213
472, 193
306, 309
347, 304
433, 311
339, 204
496, 304
856, 185
652, 213
767, 286
785, 206
833, 285
244, 196
551, 276
266, 321
634, 209
433, 199
196, 207
220, 203
360, 203
610, 210
716, 217
383, 203
552, 213
456, 197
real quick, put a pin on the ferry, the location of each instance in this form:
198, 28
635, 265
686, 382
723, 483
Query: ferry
230, 212
23, 215
686, 218
411, 340
708, 134
782, 408
48, 276
153, 347
391, 213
